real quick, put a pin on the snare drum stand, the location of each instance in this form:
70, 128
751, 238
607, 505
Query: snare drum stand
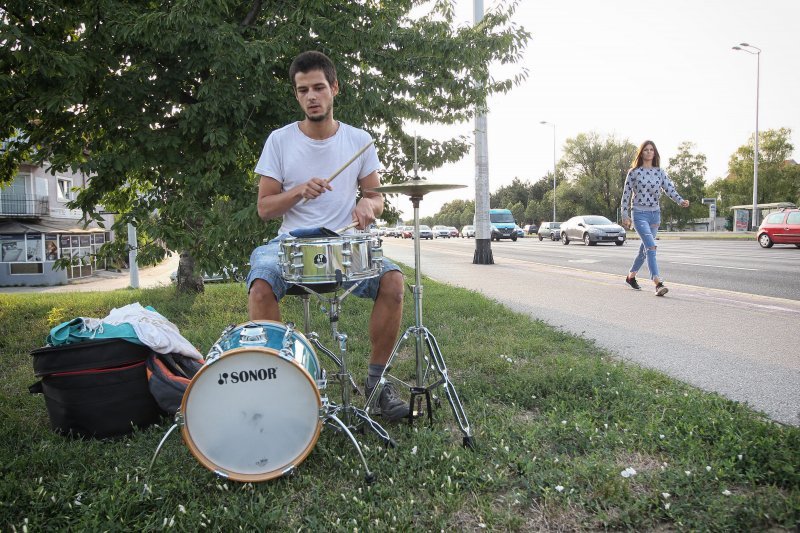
345, 417
427, 364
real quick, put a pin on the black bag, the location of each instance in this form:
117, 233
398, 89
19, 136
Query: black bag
168, 376
95, 388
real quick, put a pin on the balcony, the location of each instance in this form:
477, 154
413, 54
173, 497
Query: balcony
23, 206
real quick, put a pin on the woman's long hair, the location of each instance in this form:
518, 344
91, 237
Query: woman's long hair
637, 161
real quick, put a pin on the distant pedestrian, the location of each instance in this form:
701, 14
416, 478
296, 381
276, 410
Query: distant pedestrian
643, 186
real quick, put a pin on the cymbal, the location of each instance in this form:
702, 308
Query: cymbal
416, 187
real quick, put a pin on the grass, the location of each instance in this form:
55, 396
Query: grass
557, 422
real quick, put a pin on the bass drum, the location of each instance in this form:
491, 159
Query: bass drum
253, 412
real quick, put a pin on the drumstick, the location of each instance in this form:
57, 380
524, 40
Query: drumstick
332, 176
352, 225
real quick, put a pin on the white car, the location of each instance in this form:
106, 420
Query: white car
441, 232
468, 232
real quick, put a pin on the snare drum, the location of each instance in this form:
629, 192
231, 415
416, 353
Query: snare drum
358, 256
252, 413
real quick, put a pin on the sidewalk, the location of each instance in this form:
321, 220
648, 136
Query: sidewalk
106, 280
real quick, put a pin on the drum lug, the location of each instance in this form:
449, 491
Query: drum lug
179, 418
223, 475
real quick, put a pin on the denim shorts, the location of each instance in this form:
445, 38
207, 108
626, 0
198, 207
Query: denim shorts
264, 265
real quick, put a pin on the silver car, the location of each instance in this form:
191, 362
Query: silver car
549, 230
592, 229
468, 231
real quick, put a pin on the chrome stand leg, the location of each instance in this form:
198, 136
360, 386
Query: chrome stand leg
369, 476
178, 422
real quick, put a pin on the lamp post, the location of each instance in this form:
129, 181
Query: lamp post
756, 51
554, 165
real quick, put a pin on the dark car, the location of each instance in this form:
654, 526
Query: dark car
530, 229
782, 227
592, 229
550, 230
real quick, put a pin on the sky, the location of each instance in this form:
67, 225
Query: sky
662, 70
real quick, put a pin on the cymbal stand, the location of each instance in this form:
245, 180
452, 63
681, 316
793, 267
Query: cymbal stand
427, 363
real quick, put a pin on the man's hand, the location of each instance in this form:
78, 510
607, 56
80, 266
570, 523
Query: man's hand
685, 203
314, 187
364, 213
626, 223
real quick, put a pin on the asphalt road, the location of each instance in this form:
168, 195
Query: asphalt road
735, 265
722, 327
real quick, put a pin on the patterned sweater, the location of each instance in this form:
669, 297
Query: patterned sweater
645, 185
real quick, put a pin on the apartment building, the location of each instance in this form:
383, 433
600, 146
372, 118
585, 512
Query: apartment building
37, 227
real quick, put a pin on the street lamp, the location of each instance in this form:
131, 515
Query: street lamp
756, 51
554, 165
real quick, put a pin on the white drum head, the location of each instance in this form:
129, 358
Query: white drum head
251, 415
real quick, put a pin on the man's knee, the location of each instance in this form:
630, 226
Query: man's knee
261, 292
391, 287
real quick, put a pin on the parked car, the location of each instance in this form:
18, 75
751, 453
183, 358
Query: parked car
453, 231
425, 232
782, 227
550, 230
530, 229
407, 232
441, 232
520, 231
592, 229
468, 232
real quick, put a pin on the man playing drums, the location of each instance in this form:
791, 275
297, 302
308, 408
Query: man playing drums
292, 170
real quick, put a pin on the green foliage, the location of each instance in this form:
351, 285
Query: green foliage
556, 422
778, 176
687, 171
596, 168
167, 104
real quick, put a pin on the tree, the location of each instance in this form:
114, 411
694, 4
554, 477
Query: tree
517, 192
518, 211
166, 105
778, 179
597, 167
687, 172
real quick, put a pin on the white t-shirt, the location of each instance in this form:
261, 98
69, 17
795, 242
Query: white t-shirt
292, 158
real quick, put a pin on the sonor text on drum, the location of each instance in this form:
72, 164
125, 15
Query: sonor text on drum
261, 374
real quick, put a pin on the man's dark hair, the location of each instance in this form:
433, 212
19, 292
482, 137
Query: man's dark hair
311, 60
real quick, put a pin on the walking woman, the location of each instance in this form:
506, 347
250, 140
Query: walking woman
643, 186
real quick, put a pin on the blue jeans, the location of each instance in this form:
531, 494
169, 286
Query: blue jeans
646, 224
264, 265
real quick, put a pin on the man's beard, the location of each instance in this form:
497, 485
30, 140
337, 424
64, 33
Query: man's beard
319, 118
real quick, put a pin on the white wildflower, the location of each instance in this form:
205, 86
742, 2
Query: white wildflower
726, 492
628, 472
559, 488
666, 506
181, 508
665, 495
414, 450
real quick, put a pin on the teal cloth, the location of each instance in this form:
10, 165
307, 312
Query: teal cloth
77, 330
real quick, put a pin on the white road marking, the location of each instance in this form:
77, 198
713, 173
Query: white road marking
713, 266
